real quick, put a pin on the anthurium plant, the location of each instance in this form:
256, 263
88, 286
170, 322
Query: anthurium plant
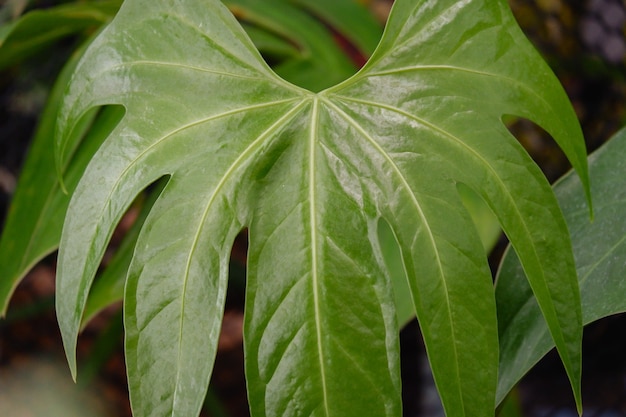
313, 172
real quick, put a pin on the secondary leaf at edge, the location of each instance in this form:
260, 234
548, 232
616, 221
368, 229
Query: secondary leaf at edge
34, 222
599, 250
455, 137
39, 29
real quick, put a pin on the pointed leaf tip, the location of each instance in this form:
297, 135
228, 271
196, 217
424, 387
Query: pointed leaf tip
310, 176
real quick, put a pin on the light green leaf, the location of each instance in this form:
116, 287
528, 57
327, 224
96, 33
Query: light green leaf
109, 285
600, 252
33, 229
5, 30
486, 223
311, 175
403, 301
487, 227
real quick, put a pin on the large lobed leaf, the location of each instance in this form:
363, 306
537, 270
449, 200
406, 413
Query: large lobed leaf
311, 176
33, 229
290, 38
600, 252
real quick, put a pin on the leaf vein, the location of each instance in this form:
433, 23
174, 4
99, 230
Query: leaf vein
522, 86
223, 180
314, 267
417, 206
490, 168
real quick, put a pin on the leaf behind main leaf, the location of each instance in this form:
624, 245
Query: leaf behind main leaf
33, 225
38, 29
599, 250
320, 63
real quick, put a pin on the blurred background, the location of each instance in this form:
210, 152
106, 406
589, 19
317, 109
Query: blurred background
583, 41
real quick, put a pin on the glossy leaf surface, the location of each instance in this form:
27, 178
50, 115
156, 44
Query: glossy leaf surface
109, 285
33, 229
600, 252
311, 175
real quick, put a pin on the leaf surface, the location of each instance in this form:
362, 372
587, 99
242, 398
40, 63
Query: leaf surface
33, 229
600, 252
311, 175
109, 285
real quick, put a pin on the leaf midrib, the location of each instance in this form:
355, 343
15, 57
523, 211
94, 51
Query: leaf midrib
420, 212
313, 225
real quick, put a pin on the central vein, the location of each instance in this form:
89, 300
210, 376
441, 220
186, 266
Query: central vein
314, 272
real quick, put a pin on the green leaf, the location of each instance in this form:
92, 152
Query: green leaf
109, 285
33, 226
271, 45
600, 252
320, 63
487, 227
33, 229
351, 19
38, 29
403, 301
486, 223
311, 175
